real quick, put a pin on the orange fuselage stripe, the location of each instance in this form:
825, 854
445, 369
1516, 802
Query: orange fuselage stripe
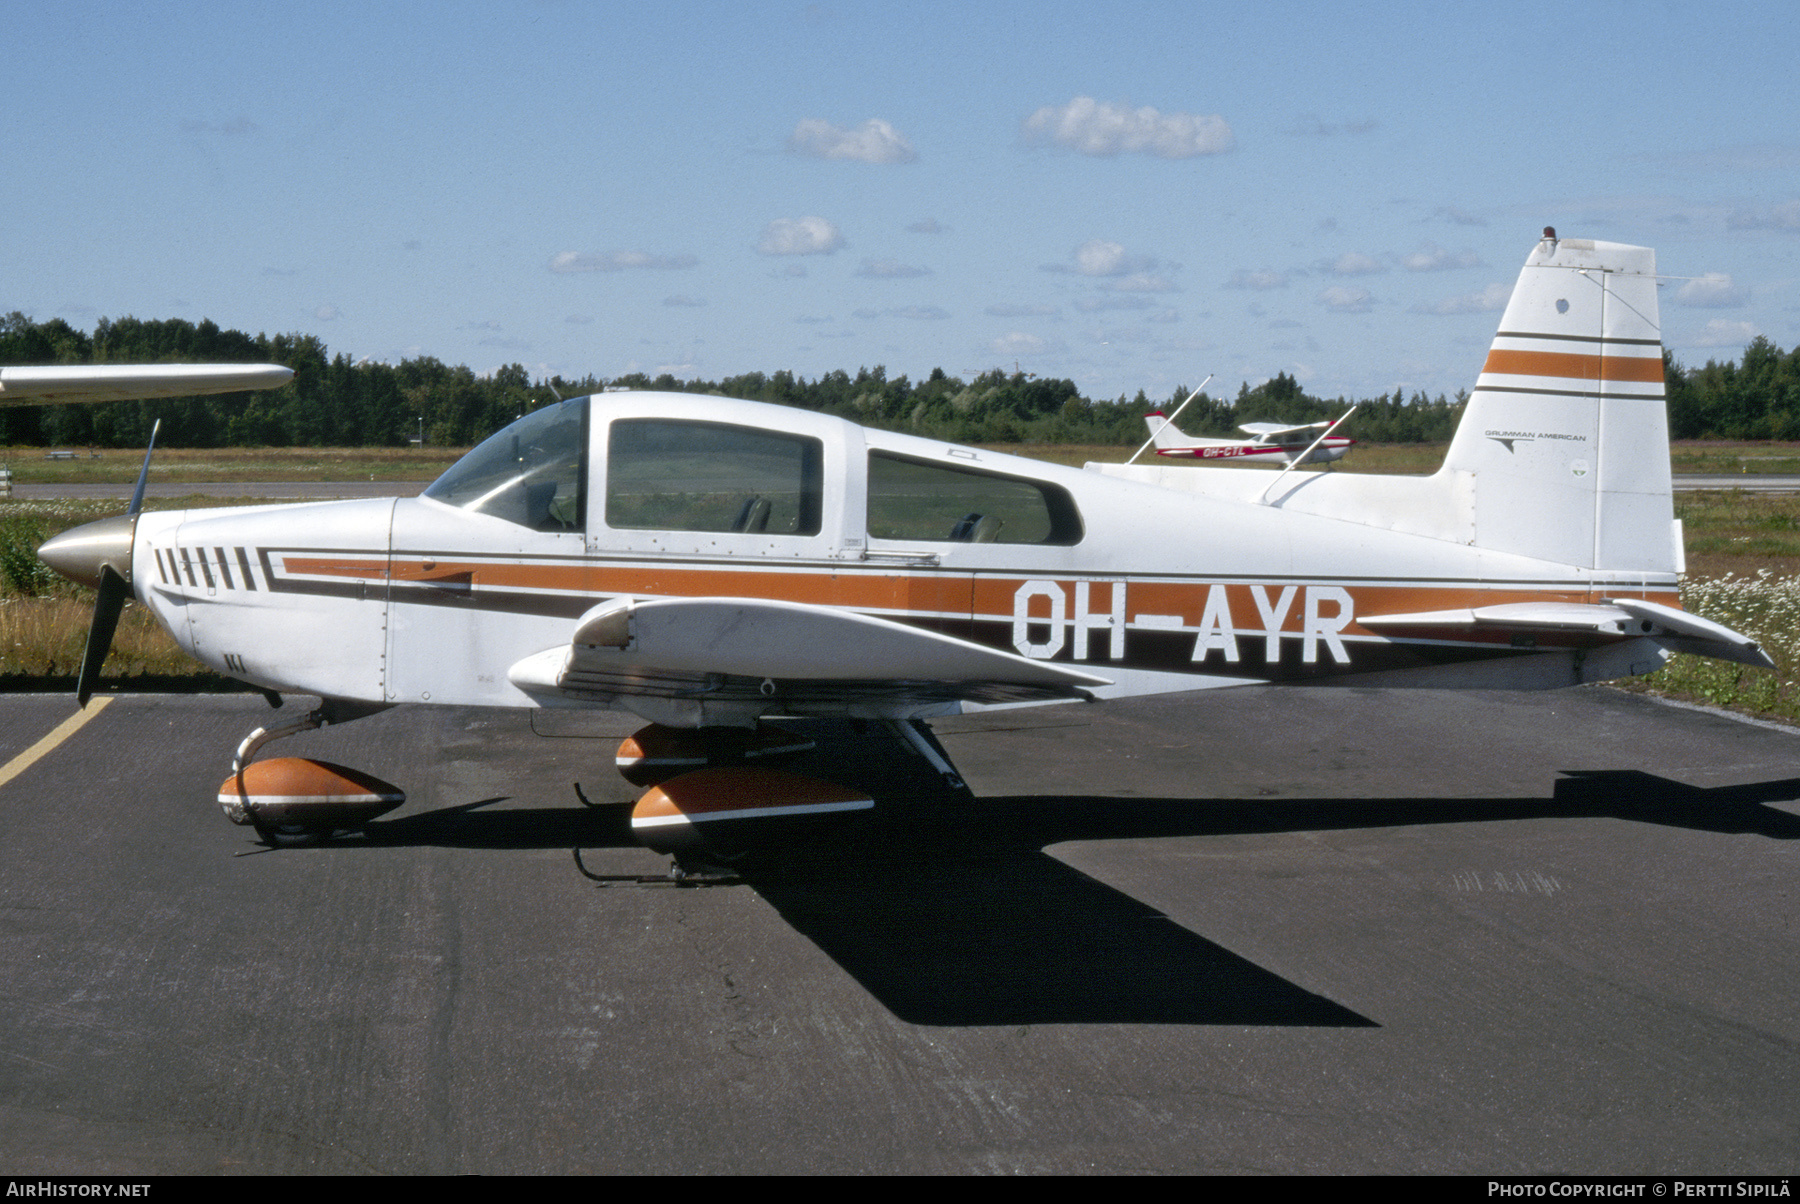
980, 595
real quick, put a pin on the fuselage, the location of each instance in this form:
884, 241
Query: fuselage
646, 495
1332, 447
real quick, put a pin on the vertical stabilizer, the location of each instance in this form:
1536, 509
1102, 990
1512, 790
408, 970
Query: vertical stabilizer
1566, 439
1165, 432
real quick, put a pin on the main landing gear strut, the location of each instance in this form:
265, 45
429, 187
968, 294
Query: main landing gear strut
296, 799
709, 788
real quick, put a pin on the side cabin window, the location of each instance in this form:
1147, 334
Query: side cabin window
930, 500
533, 472
663, 474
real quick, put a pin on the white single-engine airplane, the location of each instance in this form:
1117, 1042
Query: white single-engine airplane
709, 564
1269, 442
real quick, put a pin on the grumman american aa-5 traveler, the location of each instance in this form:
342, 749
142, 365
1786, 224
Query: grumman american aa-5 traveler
712, 565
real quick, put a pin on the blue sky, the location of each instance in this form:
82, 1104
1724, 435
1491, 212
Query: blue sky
1131, 195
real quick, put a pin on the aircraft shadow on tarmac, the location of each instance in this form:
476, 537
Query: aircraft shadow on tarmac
950, 910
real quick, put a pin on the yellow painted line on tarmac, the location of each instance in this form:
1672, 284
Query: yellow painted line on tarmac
61, 732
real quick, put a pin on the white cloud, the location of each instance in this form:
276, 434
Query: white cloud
1491, 299
890, 269
327, 313
1721, 333
799, 236
1785, 216
1352, 263
1017, 342
874, 141
1096, 128
1089, 305
1714, 290
1433, 258
1023, 311
1259, 281
565, 262
930, 225
1099, 257
1140, 282
1342, 299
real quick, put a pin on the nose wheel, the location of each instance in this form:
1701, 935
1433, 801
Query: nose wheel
297, 800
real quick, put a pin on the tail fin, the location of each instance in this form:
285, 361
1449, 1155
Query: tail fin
1165, 432
1565, 441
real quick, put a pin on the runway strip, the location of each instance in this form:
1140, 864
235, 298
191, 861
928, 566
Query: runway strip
1325, 931
58, 734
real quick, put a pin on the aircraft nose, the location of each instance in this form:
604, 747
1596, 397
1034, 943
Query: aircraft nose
81, 553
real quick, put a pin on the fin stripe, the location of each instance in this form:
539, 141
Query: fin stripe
1576, 338
1580, 367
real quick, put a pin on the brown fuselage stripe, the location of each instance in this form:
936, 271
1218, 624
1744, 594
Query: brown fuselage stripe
947, 592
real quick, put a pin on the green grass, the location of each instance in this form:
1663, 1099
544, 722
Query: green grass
1717, 456
1763, 605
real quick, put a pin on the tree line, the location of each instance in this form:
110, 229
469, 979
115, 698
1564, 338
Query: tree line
336, 402
1757, 397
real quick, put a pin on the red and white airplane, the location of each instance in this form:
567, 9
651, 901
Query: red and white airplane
1270, 442
711, 564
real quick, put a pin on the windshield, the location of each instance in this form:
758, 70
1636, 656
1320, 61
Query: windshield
533, 472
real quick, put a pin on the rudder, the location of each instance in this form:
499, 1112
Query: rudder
1566, 437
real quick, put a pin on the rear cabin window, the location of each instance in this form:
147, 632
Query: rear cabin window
930, 500
700, 476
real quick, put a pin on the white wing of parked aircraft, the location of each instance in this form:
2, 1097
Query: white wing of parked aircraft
712, 564
128, 382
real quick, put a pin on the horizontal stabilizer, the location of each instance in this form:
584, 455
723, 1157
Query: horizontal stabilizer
62, 383
1623, 617
1700, 636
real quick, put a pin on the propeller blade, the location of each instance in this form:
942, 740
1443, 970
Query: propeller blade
113, 591
137, 495
113, 586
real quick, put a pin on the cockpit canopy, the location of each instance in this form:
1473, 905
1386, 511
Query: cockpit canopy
668, 463
533, 472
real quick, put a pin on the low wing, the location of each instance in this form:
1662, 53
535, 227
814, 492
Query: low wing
739, 656
132, 382
1623, 617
